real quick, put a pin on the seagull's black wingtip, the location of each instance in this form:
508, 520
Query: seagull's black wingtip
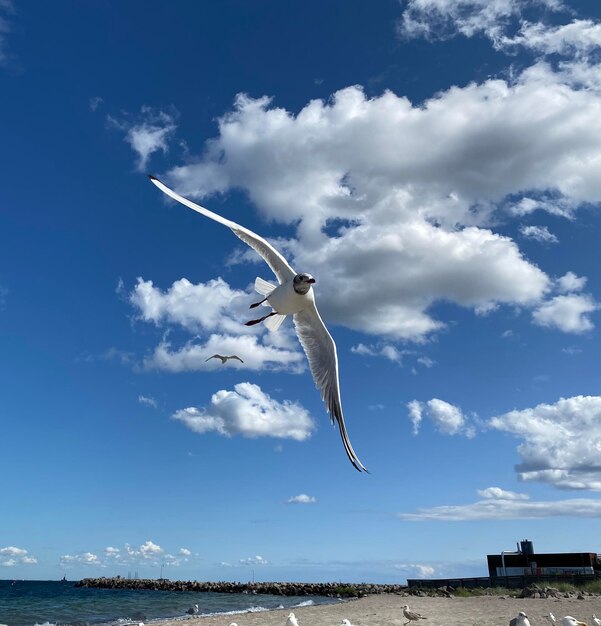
152, 177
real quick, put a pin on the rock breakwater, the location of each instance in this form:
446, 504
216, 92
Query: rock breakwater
332, 590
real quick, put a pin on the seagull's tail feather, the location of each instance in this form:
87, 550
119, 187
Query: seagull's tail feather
263, 287
274, 322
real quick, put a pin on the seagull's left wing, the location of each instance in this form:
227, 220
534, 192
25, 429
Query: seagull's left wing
323, 361
271, 256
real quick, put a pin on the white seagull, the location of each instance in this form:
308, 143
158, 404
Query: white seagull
568, 620
345, 622
293, 296
520, 620
292, 621
596, 620
411, 616
193, 610
223, 359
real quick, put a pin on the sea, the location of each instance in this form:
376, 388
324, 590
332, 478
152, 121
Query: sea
50, 603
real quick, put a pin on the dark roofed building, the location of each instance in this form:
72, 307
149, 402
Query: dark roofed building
525, 562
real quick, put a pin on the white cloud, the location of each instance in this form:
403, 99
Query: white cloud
558, 206
501, 494
507, 508
84, 558
95, 102
250, 412
212, 307
254, 560
570, 282
184, 552
147, 401
409, 187
148, 133
384, 350
302, 498
440, 19
11, 556
447, 418
415, 570
561, 441
578, 38
569, 313
7, 10
110, 551
416, 414
538, 233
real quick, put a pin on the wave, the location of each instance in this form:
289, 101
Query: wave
305, 603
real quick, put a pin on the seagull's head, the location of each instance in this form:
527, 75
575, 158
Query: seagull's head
302, 283
522, 614
345, 622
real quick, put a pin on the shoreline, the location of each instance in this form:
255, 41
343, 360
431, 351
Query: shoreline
386, 609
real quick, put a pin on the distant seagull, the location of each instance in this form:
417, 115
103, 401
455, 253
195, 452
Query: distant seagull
293, 296
345, 622
596, 620
233, 624
193, 610
292, 621
568, 620
520, 620
551, 618
411, 616
225, 358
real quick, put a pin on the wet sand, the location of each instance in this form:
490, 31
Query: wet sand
385, 610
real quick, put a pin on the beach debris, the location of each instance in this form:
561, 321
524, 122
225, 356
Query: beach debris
596, 620
292, 621
520, 620
225, 358
292, 296
410, 615
193, 610
568, 620
551, 618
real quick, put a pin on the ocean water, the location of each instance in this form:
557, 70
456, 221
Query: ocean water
30, 602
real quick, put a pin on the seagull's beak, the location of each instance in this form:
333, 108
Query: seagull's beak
311, 281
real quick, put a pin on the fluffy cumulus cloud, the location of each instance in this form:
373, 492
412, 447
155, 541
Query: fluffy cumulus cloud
386, 351
561, 442
415, 570
493, 507
10, 556
569, 313
215, 314
447, 418
146, 133
501, 494
302, 498
570, 282
250, 412
538, 233
83, 558
374, 184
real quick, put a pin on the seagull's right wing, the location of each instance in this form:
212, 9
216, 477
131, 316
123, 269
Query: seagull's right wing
215, 356
323, 361
270, 255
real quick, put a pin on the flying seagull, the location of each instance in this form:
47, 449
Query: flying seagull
293, 296
411, 616
224, 358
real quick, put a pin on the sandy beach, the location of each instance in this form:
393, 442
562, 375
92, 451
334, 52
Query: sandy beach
383, 610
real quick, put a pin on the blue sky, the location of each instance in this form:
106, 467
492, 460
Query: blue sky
434, 165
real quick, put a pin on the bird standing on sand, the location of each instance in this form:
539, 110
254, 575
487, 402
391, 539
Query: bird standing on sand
193, 610
293, 296
225, 358
410, 615
568, 620
520, 620
596, 620
292, 621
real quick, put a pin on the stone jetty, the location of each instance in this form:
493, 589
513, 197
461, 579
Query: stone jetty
333, 590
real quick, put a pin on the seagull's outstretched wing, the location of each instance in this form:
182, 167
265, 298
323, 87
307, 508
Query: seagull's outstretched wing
235, 356
323, 361
270, 255
215, 356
